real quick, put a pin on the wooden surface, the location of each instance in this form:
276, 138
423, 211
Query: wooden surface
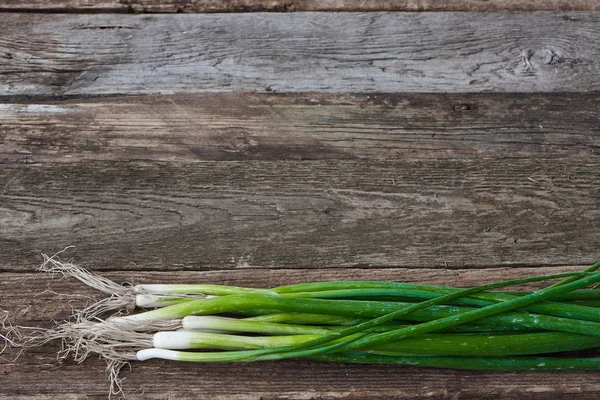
191, 6
306, 126
85, 55
145, 141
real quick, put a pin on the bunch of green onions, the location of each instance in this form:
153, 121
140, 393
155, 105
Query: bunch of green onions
480, 328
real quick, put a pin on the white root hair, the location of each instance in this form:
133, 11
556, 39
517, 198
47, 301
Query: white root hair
122, 297
84, 338
146, 326
116, 341
54, 265
110, 342
113, 342
113, 370
10, 335
121, 300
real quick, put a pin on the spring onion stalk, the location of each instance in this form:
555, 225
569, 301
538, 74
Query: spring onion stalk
387, 291
158, 301
235, 325
463, 345
588, 303
336, 285
201, 340
478, 299
517, 363
576, 295
222, 324
305, 318
341, 290
592, 268
326, 320
216, 290
352, 285
468, 363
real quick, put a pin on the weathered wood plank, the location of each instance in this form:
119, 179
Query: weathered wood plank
82, 55
313, 213
36, 376
192, 6
309, 126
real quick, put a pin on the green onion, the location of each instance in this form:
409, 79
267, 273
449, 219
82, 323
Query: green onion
305, 349
368, 322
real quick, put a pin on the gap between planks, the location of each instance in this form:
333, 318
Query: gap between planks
199, 6
336, 270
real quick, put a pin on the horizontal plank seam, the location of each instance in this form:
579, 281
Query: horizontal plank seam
266, 269
49, 98
71, 10
143, 161
28, 98
291, 8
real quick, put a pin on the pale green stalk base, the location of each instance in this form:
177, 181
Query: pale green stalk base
429, 344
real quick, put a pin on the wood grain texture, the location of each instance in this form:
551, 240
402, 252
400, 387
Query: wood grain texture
310, 126
36, 375
193, 6
84, 55
213, 215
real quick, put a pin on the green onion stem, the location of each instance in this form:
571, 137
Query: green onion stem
570, 279
478, 299
239, 325
469, 363
576, 295
470, 316
463, 345
206, 289
334, 321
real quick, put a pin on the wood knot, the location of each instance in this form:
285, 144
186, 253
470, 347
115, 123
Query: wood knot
462, 107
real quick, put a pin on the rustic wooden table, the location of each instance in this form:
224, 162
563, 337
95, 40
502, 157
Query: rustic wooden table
267, 148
